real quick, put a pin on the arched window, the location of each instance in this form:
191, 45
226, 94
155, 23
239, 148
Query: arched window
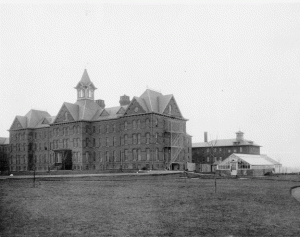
148, 154
170, 109
147, 123
107, 156
125, 139
81, 93
90, 93
147, 138
134, 124
139, 124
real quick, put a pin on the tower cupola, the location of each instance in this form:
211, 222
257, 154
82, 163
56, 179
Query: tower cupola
85, 88
239, 136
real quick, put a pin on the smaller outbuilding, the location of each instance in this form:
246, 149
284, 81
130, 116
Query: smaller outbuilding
247, 165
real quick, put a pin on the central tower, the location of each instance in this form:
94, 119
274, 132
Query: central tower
85, 88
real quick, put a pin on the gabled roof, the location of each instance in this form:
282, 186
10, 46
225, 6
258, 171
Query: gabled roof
35, 116
151, 100
163, 102
85, 81
73, 109
251, 159
22, 120
224, 142
271, 160
4, 140
111, 113
88, 109
142, 103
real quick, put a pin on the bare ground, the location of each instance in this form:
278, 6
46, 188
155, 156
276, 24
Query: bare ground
148, 206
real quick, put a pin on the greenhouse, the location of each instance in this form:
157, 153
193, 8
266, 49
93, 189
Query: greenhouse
247, 165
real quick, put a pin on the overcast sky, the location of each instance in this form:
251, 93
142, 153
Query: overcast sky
230, 66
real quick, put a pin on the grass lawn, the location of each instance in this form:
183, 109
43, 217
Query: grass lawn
148, 206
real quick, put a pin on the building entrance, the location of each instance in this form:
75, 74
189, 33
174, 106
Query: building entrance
63, 159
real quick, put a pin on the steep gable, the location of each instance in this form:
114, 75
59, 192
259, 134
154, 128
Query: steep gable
18, 123
172, 108
151, 100
122, 110
135, 107
64, 115
35, 116
104, 113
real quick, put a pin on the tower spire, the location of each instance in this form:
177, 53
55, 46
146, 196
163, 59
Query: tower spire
85, 87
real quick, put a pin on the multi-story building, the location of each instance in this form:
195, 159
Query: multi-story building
4, 153
146, 132
208, 154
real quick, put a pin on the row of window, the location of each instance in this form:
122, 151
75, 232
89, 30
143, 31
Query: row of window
228, 150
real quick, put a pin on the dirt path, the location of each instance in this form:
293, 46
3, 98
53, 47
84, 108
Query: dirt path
296, 193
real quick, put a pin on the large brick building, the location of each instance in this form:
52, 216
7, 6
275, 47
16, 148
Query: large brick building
4, 153
146, 132
208, 154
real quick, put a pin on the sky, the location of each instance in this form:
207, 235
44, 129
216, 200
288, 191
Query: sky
231, 65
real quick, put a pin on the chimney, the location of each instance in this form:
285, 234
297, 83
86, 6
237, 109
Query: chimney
239, 136
124, 100
100, 103
205, 136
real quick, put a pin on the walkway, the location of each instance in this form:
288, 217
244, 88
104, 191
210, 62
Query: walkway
90, 175
296, 193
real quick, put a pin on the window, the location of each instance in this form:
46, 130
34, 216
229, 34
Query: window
229, 150
126, 154
156, 122
170, 109
207, 150
156, 138
220, 149
90, 93
94, 129
94, 142
107, 156
114, 156
87, 142
114, 141
134, 152
107, 128
147, 123
99, 128
114, 127
147, 138
134, 124
99, 142
234, 150
148, 154
139, 124
241, 149
134, 139
215, 149
125, 139
107, 141
139, 154
156, 154
139, 138
207, 159
125, 125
